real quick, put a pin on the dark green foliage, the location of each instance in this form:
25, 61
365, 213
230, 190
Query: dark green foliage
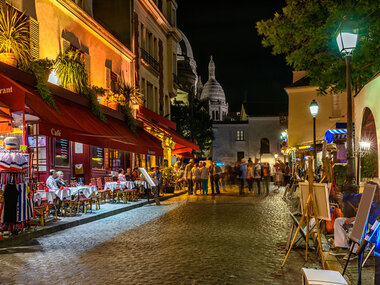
305, 32
40, 69
96, 108
196, 127
128, 117
369, 165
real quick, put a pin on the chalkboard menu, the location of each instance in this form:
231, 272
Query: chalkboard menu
97, 157
61, 152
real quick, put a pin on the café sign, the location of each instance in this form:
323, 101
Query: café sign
6, 90
55, 133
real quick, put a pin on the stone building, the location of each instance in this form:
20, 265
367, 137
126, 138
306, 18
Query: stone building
256, 137
214, 94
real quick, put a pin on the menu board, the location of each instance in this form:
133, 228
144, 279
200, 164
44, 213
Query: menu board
61, 152
97, 157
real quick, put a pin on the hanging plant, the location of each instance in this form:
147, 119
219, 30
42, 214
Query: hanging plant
41, 69
128, 118
14, 37
96, 108
70, 70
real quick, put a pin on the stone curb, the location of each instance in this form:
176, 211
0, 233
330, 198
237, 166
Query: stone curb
23, 238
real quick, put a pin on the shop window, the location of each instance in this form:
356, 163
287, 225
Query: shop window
61, 152
97, 157
115, 160
240, 135
37, 146
240, 155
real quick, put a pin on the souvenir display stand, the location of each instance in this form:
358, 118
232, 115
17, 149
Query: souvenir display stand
16, 206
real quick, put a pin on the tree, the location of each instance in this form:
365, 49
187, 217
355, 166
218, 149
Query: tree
305, 32
199, 128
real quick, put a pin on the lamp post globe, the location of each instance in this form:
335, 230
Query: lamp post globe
347, 38
314, 108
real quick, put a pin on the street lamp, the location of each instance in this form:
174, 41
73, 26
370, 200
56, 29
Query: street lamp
347, 37
364, 147
314, 108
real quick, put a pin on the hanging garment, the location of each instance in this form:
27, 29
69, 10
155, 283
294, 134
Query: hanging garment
24, 213
10, 203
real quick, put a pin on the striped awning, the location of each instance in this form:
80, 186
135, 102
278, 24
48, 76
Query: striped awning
333, 134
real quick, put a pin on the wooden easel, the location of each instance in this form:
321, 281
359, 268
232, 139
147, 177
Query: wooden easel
309, 212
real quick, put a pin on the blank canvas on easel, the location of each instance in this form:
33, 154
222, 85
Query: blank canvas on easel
321, 197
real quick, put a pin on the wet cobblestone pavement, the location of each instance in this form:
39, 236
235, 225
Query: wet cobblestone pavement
224, 239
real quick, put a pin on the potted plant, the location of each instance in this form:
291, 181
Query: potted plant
14, 37
169, 178
70, 70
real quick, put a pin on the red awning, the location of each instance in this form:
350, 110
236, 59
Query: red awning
76, 122
166, 125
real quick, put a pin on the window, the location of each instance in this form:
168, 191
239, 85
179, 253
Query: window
149, 97
61, 152
264, 146
97, 157
336, 109
240, 135
37, 146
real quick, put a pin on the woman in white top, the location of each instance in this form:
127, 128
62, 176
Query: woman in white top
204, 178
121, 177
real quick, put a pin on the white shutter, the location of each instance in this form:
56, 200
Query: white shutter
87, 60
34, 38
65, 45
108, 78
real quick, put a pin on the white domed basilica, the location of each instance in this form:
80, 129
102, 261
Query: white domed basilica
214, 94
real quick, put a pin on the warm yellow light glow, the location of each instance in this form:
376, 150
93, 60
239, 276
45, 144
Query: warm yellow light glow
53, 77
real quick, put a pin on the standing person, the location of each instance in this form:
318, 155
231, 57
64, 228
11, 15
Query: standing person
257, 175
189, 176
287, 173
250, 174
217, 174
204, 178
196, 174
211, 171
50, 182
157, 178
266, 175
242, 175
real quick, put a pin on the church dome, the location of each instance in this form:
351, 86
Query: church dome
212, 90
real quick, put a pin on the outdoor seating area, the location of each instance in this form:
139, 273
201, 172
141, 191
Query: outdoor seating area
82, 199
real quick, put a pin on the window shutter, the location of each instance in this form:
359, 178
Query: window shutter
87, 67
34, 38
65, 45
108, 78
2, 3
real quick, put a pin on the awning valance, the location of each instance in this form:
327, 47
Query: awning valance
333, 134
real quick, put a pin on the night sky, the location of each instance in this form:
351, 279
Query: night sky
243, 66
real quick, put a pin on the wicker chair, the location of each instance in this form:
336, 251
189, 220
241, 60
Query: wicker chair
50, 206
40, 212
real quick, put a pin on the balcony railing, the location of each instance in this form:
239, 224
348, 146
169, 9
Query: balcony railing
150, 60
175, 78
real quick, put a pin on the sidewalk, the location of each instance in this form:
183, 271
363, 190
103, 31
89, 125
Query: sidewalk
106, 210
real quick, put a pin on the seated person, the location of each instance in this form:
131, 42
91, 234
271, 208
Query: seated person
59, 181
135, 173
50, 182
121, 176
129, 176
343, 225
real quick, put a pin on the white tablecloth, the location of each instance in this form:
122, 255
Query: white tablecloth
86, 190
122, 185
50, 196
141, 182
63, 193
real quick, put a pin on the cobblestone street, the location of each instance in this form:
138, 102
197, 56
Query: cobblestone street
225, 239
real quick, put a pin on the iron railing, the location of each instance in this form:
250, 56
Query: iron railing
150, 60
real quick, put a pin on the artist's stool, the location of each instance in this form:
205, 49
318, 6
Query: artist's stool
322, 277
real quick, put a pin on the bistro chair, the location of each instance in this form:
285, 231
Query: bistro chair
117, 194
103, 193
108, 179
49, 207
40, 212
83, 202
73, 183
71, 206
